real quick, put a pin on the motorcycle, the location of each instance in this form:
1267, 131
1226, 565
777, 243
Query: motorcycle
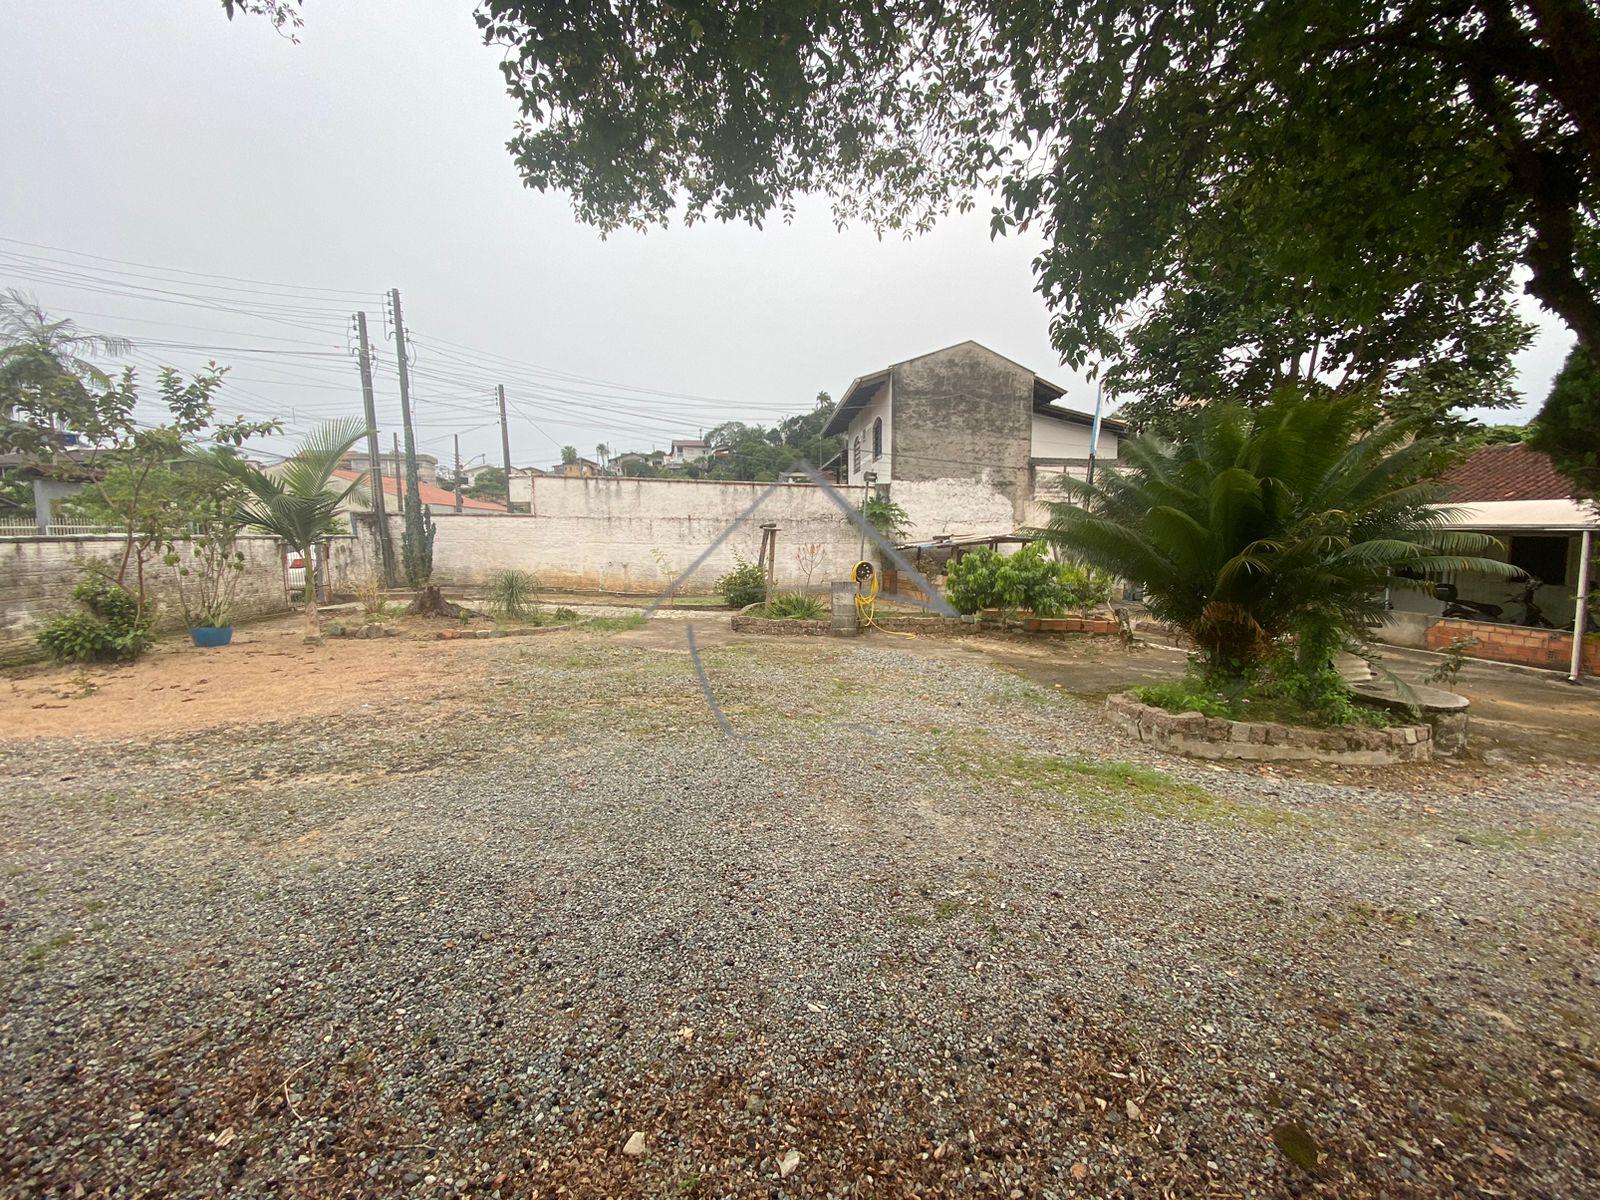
1527, 612
1464, 610
1530, 616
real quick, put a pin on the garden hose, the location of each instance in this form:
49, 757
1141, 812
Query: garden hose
866, 580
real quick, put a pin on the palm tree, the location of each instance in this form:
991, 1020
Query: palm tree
1290, 519
25, 328
300, 503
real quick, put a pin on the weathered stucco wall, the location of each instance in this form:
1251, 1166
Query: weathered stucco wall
631, 535
964, 413
958, 507
37, 575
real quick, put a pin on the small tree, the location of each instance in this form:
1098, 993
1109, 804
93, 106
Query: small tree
1286, 520
300, 504
148, 484
887, 517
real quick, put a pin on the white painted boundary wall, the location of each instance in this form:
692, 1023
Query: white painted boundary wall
631, 535
37, 575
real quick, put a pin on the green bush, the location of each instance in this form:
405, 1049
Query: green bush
969, 583
1028, 579
745, 584
795, 606
511, 594
1083, 587
108, 629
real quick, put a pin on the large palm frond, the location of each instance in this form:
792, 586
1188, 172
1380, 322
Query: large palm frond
300, 502
24, 326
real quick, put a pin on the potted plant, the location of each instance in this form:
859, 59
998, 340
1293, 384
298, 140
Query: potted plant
208, 565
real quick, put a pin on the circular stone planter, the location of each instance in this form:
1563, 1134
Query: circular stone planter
1199, 736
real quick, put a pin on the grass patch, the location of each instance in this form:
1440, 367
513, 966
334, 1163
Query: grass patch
39, 951
1509, 839
1256, 703
1106, 790
616, 624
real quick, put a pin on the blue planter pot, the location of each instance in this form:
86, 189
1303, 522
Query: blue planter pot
212, 636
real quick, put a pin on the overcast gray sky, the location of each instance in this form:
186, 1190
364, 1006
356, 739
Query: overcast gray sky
372, 155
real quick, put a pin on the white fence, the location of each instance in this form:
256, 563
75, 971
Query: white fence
12, 527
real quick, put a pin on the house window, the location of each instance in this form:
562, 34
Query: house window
855, 455
1543, 557
877, 438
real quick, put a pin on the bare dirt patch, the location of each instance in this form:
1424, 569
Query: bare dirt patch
269, 673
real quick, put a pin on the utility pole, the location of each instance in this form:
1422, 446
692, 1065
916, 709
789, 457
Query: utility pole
505, 441
418, 546
374, 463
458, 472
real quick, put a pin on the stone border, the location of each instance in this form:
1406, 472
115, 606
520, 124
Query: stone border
933, 626
451, 635
1199, 736
782, 628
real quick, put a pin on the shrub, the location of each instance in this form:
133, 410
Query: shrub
1083, 587
887, 517
1028, 579
369, 594
1283, 690
969, 583
745, 584
511, 594
795, 606
109, 628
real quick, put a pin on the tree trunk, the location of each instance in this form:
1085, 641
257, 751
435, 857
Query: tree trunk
312, 630
430, 603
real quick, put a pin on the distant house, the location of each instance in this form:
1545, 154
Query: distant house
965, 440
1515, 494
394, 465
474, 471
686, 450
52, 479
582, 468
437, 499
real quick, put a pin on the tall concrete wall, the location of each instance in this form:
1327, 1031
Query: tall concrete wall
37, 575
632, 535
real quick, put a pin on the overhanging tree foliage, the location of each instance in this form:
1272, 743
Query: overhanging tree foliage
1568, 426
1331, 170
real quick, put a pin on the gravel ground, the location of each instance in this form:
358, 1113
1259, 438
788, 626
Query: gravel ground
920, 930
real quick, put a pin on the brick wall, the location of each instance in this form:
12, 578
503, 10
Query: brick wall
1550, 649
37, 575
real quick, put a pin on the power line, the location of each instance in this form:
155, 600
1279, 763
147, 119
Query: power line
196, 274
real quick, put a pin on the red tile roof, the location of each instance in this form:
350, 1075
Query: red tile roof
1512, 471
430, 495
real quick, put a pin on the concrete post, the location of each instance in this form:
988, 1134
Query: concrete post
846, 622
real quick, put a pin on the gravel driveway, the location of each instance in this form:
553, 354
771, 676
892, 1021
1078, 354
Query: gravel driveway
922, 930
